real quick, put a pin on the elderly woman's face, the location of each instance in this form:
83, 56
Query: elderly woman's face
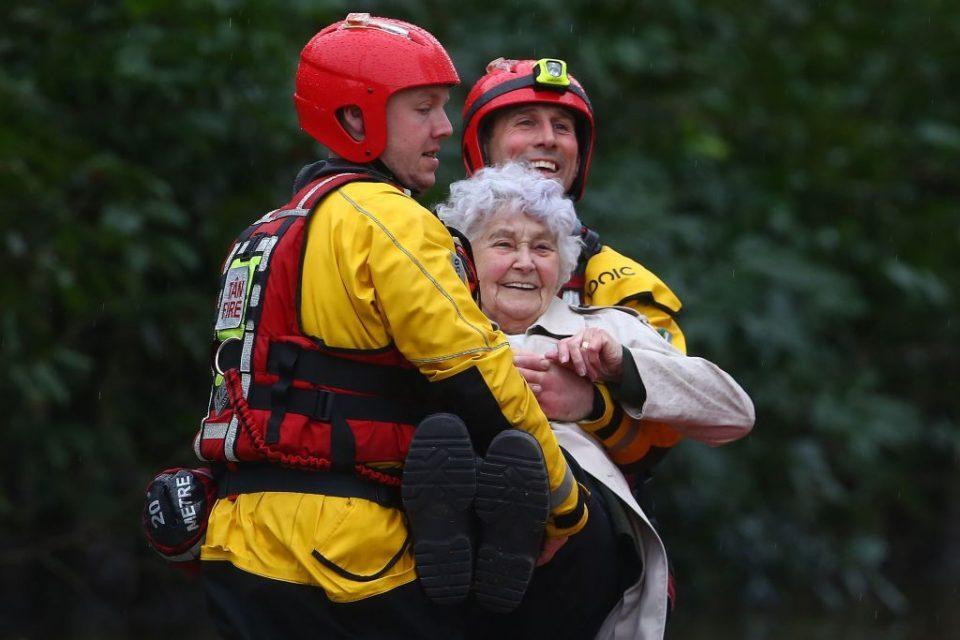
519, 269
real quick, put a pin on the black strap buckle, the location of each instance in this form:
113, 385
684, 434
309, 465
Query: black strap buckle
323, 405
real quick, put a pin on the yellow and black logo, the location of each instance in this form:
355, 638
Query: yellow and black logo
609, 276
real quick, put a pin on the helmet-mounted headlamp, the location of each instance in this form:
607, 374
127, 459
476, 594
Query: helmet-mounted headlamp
551, 73
548, 73
510, 83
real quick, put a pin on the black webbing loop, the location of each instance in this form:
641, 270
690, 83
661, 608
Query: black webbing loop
317, 367
357, 577
286, 362
318, 404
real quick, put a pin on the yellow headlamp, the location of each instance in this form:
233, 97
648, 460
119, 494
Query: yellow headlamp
551, 73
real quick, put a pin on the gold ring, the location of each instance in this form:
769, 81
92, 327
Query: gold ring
584, 345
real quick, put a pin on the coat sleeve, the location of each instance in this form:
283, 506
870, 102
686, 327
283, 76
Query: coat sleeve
436, 325
690, 395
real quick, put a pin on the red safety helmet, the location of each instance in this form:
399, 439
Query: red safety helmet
362, 61
515, 82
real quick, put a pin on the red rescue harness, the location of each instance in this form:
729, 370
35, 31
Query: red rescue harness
282, 396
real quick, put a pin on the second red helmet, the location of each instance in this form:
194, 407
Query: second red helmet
515, 82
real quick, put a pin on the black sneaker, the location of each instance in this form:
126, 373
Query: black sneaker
513, 503
439, 484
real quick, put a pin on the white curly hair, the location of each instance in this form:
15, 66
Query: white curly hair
514, 189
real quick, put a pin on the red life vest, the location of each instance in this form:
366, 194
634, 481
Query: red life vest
282, 396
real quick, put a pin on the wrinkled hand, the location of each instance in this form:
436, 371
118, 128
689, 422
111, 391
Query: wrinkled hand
593, 353
562, 394
550, 547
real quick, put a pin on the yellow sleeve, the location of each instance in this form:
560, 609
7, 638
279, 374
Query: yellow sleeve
626, 439
436, 325
613, 279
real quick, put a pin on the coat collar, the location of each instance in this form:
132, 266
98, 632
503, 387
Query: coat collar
560, 320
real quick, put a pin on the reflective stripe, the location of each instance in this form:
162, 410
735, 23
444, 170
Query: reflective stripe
255, 295
196, 444
317, 186
246, 353
262, 245
229, 260
230, 440
266, 217
243, 247
290, 212
627, 439
561, 493
245, 382
266, 247
214, 430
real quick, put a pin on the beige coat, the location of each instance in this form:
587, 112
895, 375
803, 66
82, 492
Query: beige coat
691, 394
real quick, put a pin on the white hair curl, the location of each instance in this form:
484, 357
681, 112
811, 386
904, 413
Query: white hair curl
514, 189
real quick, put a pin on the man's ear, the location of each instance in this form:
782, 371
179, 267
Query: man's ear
352, 120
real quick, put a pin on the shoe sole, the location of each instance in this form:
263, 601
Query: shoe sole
513, 503
438, 488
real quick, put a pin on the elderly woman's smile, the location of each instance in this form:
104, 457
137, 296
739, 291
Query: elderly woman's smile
518, 266
525, 240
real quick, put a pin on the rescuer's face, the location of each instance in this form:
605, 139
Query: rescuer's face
541, 135
416, 123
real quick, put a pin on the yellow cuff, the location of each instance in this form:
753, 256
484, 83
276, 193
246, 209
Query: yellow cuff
569, 523
608, 410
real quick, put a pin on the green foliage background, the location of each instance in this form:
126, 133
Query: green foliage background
791, 169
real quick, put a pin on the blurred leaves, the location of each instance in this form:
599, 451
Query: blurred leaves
791, 170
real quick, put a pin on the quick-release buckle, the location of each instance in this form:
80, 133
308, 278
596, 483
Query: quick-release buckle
323, 405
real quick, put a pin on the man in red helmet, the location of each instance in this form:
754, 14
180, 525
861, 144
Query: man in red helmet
342, 323
536, 112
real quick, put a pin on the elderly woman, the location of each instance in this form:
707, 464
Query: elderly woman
610, 580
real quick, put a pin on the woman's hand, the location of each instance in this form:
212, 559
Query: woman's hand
592, 353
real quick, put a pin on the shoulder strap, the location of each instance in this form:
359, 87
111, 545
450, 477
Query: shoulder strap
310, 195
591, 247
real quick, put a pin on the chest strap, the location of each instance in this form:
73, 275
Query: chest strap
317, 367
320, 368
323, 405
260, 478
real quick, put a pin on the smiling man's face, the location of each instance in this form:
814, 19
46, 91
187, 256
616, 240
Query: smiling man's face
541, 135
